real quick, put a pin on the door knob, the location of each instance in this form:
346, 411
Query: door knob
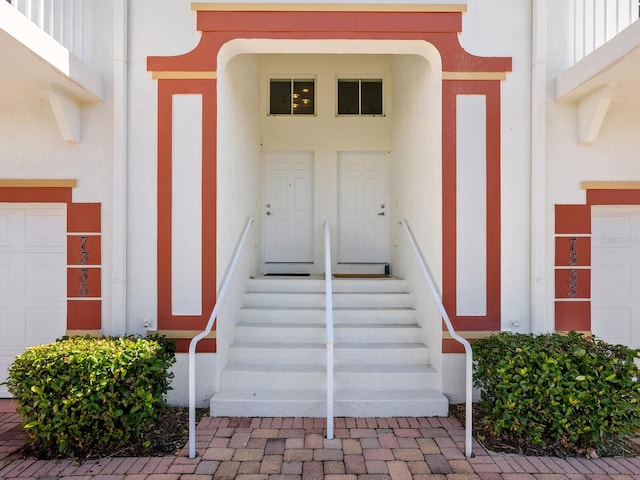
381, 214
268, 213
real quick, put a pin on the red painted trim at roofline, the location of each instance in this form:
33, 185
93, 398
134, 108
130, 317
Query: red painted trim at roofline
331, 22
440, 29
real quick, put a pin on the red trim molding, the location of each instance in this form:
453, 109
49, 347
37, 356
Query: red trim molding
84, 249
573, 256
491, 90
166, 90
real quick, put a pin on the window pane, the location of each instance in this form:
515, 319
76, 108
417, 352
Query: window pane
371, 91
280, 97
348, 97
303, 103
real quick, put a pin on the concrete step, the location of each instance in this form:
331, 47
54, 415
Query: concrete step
278, 352
316, 332
288, 377
364, 403
281, 332
376, 333
315, 284
315, 352
277, 361
269, 403
317, 300
312, 403
307, 376
355, 353
384, 377
318, 315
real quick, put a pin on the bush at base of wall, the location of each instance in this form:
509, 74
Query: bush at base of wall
80, 394
558, 390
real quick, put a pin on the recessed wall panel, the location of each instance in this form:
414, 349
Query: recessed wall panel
186, 206
471, 206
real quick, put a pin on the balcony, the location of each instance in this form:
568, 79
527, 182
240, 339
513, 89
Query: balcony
42, 48
606, 54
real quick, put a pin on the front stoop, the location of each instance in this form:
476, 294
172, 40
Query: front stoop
277, 363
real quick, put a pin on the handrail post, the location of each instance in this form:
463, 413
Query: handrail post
204, 333
467, 346
329, 327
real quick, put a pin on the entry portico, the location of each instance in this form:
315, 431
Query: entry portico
430, 78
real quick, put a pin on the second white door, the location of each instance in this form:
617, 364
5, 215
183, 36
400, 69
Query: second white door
362, 207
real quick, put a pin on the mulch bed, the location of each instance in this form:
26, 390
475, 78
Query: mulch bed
167, 437
484, 434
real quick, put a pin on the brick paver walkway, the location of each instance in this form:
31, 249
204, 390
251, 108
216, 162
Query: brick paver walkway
296, 449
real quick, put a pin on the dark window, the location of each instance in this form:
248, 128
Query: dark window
360, 97
291, 97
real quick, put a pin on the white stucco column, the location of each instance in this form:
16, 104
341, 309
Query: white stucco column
119, 192
538, 169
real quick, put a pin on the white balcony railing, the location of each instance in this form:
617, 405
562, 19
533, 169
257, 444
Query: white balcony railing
598, 21
60, 19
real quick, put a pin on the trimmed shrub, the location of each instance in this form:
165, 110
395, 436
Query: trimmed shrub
80, 395
560, 391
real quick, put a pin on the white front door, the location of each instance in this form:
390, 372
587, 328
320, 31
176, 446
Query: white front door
362, 207
288, 207
33, 278
615, 274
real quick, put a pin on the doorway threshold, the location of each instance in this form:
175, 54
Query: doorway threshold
361, 275
287, 274
361, 269
283, 269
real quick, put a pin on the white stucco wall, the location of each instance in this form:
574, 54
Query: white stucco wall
239, 183
150, 24
613, 156
501, 28
31, 146
416, 184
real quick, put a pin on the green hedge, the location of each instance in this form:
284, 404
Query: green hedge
82, 394
557, 390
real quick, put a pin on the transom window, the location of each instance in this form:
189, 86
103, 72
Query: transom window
290, 96
360, 96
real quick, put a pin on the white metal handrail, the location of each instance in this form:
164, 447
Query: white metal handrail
194, 341
329, 322
454, 335
60, 19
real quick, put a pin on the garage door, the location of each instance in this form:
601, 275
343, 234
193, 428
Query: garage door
615, 281
32, 278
